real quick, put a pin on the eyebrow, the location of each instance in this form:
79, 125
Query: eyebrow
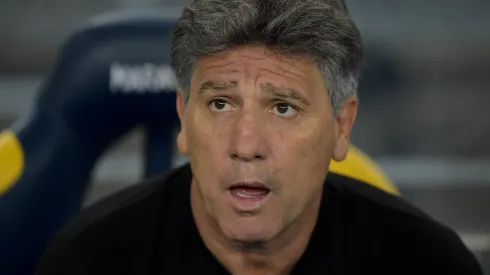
269, 88
218, 85
285, 93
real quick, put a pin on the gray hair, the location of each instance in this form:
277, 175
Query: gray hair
320, 30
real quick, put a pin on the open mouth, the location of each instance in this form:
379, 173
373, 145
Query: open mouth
254, 192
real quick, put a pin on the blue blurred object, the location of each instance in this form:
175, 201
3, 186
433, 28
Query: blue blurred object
111, 75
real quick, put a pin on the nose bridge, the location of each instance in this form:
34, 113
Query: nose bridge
248, 141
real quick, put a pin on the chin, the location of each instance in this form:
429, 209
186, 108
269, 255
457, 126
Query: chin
249, 230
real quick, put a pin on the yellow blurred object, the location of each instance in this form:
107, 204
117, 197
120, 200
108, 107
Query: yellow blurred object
11, 160
361, 167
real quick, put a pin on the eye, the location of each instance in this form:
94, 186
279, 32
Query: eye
284, 110
220, 105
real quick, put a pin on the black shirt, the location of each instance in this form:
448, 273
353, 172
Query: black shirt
149, 229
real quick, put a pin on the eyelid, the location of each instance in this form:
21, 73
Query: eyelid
282, 101
224, 98
293, 116
210, 102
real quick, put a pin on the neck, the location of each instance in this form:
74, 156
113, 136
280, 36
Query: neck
277, 256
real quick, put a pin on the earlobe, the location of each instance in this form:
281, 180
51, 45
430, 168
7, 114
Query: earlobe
182, 143
341, 149
181, 137
345, 120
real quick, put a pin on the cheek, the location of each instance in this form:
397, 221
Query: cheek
206, 145
200, 133
305, 157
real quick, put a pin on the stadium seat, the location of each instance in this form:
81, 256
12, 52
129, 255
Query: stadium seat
111, 75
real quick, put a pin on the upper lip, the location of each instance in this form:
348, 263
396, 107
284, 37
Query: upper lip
256, 184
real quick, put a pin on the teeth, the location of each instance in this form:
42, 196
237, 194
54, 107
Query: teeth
242, 195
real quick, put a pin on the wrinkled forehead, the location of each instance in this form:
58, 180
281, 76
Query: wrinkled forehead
256, 62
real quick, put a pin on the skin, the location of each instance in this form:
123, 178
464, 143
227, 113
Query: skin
253, 115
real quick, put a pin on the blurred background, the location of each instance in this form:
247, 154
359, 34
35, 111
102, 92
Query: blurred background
425, 114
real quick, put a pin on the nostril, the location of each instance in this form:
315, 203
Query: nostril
244, 158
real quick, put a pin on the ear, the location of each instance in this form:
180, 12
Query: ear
182, 136
345, 119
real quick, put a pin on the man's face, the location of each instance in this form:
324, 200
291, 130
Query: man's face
259, 132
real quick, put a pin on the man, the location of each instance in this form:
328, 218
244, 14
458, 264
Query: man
267, 100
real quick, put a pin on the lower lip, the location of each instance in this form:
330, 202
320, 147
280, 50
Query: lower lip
248, 199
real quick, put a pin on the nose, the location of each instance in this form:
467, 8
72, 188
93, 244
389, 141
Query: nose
248, 141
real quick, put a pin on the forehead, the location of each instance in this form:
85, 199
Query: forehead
252, 62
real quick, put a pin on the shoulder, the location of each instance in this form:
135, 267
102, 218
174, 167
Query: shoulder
398, 233
138, 201
116, 227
